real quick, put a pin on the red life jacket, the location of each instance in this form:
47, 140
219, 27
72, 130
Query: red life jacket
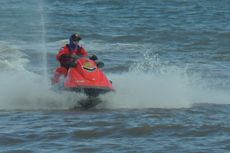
66, 50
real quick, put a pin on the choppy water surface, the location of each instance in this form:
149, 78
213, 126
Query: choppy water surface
201, 128
169, 62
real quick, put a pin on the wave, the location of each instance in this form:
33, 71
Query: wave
11, 58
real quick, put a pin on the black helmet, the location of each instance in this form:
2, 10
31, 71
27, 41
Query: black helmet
75, 37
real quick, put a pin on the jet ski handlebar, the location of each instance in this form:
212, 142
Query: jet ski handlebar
92, 57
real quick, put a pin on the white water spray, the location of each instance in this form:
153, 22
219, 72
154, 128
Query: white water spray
43, 39
152, 84
148, 84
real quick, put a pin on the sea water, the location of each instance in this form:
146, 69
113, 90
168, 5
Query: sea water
169, 62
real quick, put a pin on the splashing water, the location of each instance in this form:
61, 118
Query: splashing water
152, 84
148, 84
25, 90
30, 92
43, 38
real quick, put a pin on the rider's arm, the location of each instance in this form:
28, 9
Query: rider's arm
61, 53
66, 60
83, 52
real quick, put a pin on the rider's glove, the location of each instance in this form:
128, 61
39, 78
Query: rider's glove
72, 64
93, 57
100, 64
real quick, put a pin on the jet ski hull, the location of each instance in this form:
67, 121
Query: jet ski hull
86, 77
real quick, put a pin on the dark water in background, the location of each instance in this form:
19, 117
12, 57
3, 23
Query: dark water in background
169, 61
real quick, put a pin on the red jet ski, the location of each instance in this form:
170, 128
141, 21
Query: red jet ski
87, 77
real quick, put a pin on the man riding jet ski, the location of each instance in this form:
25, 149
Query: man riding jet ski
66, 56
82, 72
